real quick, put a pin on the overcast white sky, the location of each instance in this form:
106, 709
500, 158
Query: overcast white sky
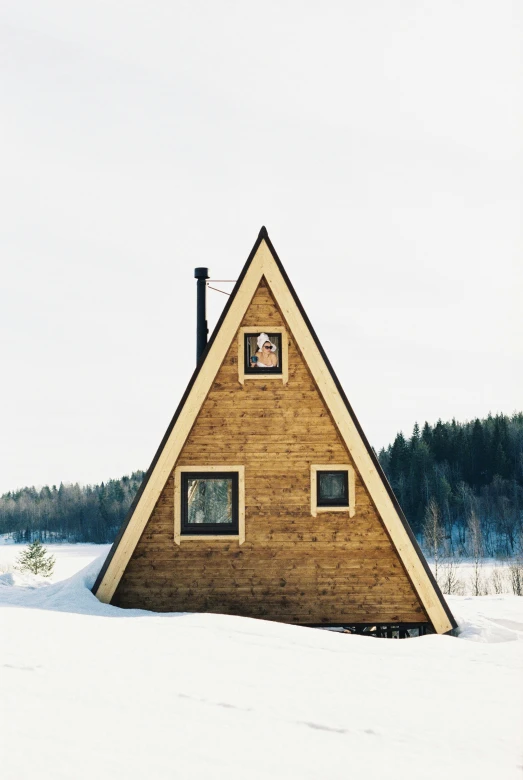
379, 142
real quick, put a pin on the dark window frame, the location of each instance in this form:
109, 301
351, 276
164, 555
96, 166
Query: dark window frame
248, 369
323, 502
209, 529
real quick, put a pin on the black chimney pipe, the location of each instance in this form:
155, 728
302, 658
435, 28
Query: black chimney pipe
201, 274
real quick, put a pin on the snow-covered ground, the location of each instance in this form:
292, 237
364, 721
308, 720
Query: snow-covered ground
88, 690
69, 558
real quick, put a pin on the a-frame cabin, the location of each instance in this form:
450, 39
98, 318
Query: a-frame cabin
265, 498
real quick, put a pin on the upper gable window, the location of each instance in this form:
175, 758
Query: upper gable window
263, 353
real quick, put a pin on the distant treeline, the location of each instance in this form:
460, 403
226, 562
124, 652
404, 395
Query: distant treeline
468, 474
459, 475
93, 513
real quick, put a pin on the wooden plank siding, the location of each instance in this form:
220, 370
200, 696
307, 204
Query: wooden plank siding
292, 567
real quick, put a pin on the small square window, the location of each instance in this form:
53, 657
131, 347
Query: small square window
209, 503
262, 353
333, 488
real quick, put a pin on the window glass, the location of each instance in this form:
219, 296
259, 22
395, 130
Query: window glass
209, 501
263, 353
333, 488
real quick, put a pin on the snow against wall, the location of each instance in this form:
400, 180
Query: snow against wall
90, 690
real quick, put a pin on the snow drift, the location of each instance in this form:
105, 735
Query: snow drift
209, 696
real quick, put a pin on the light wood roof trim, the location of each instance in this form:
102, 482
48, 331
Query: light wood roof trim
367, 470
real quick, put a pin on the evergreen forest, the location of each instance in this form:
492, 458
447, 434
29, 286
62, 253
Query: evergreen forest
93, 513
465, 479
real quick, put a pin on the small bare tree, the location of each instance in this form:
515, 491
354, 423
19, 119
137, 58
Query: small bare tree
476, 548
516, 576
433, 533
449, 582
497, 580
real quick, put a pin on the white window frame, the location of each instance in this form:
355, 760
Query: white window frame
351, 508
284, 376
178, 536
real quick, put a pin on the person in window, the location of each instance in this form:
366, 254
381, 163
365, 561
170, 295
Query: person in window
266, 354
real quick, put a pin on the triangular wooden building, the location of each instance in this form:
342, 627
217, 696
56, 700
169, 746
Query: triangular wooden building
265, 498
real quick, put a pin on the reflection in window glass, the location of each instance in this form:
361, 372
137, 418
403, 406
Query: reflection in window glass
333, 488
209, 501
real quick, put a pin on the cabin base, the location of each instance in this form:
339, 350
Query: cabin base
381, 630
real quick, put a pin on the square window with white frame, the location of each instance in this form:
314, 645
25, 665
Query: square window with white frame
333, 489
209, 503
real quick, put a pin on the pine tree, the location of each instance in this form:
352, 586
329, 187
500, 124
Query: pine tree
440, 442
416, 436
36, 560
399, 457
426, 435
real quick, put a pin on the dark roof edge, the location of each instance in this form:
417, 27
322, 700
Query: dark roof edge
263, 235
370, 451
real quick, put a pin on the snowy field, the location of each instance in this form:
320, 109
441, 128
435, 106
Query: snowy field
89, 691
69, 558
